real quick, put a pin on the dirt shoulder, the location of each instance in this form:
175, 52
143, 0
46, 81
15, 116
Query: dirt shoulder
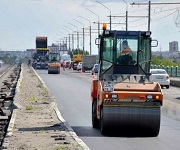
36, 124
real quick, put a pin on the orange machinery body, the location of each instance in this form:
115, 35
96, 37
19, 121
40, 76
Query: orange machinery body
54, 67
126, 92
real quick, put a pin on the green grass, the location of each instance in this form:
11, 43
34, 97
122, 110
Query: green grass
20, 85
44, 90
32, 98
41, 131
29, 108
61, 147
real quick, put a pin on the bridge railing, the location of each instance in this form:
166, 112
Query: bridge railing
171, 70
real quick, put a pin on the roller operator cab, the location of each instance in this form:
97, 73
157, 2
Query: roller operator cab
54, 63
124, 95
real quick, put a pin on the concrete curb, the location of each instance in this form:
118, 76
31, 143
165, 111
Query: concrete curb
71, 131
13, 116
175, 82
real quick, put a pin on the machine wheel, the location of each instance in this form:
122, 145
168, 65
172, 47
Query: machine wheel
167, 86
95, 120
49, 72
102, 128
83, 70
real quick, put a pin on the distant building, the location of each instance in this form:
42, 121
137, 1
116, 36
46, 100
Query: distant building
62, 48
54, 48
173, 46
17, 54
165, 54
29, 53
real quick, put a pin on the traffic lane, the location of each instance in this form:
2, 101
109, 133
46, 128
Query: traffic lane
73, 100
167, 139
171, 103
154, 143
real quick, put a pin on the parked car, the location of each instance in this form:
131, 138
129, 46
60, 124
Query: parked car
79, 66
1, 63
161, 76
95, 68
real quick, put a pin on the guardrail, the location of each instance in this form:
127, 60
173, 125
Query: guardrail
171, 70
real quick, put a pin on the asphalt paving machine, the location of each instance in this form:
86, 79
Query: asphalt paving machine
124, 95
54, 63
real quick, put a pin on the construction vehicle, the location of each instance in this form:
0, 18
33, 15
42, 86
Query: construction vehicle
88, 62
76, 59
54, 63
41, 55
124, 97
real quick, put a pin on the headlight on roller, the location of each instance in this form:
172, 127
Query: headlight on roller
149, 97
114, 96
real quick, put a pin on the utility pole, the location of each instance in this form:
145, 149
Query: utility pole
83, 33
126, 15
89, 32
109, 12
149, 9
77, 36
69, 40
98, 24
72, 37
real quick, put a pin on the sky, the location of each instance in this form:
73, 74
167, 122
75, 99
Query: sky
22, 20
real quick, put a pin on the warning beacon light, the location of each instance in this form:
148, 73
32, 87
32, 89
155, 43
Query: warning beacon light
104, 26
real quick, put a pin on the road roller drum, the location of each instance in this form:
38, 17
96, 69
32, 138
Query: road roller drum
141, 117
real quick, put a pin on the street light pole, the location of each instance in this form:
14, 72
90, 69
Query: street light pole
98, 21
77, 36
72, 37
109, 11
89, 32
83, 33
66, 40
69, 40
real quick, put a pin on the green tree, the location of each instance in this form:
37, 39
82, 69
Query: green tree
157, 60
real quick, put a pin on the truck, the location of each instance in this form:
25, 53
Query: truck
76, 59
124, 97
88, 62
40, 57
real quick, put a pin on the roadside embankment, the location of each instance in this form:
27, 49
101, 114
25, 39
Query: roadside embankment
36, 123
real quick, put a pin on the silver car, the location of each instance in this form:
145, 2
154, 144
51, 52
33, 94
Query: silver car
79, 66
160, 76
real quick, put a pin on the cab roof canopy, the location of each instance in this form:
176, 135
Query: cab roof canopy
41, 37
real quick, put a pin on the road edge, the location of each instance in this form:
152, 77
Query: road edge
71, 131
16, 107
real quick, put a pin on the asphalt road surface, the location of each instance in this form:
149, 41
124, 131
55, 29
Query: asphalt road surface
72, 92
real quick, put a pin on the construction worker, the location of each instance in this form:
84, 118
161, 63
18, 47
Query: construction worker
47, 56
64, 65
29, 62
126, 55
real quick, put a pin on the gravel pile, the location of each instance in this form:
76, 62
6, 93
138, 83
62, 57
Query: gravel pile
36, 124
